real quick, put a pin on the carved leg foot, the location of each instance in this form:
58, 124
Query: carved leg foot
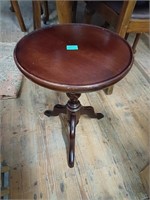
89, 110
56, 110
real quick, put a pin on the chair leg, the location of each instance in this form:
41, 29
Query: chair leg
74, 9
64, 11
11, 7
45, 11
88, 13
36, 14
15, 7
126, 36
108, 90
106, 25
135, 42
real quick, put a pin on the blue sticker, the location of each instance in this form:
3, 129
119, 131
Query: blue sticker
71, 47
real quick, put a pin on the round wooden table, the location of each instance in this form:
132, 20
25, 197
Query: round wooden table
73, 58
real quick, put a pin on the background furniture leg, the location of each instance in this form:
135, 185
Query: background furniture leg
126, 36
108, 90
64, 10
88, 13
15, 7
36, 14
137, 37
45, 11
11, 7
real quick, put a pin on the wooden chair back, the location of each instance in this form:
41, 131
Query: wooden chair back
122, 21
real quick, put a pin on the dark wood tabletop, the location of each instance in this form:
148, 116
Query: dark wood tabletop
102, 59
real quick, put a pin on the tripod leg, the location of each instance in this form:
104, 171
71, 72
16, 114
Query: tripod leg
89, 110
72, 140
58, 109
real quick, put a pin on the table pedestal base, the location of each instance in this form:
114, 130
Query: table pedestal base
73, 109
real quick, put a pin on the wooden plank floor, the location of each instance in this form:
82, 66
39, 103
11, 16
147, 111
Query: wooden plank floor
110, 153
